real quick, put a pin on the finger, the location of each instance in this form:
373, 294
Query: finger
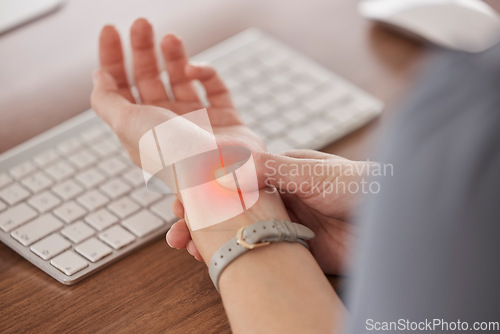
217, 93
111, 59
178, 209
175, 63
107, 100
146, 73
178, 236
289, 170
191, 248
288, 173
313, 154
306, 154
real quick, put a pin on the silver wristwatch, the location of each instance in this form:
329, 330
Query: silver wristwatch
253, 236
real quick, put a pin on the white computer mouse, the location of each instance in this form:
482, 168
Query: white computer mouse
465, 25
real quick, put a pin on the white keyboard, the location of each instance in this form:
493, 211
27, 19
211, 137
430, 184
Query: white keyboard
288, 99
71, 202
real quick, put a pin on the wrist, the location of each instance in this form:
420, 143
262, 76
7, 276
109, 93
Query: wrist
269, 206
256, 235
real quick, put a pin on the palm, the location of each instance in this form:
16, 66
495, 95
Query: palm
156, 106
226, 124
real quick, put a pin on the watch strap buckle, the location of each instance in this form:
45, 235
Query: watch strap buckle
241, 241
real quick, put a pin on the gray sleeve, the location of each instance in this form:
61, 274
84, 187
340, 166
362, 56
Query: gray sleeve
431, 242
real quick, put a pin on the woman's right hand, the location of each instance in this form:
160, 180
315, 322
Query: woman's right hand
311, 185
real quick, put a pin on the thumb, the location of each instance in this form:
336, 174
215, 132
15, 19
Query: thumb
106, 99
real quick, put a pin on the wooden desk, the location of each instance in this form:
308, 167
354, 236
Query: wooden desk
45, 79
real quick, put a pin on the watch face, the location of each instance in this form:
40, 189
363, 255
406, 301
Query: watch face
215, 183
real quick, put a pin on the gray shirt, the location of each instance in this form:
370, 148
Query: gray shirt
431, 243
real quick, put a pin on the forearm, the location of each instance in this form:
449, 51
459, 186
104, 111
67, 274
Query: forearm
279, 289
276, 288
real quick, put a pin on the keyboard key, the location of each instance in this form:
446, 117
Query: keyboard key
37, 182
94, 133
112, 166
259, 89
70, 146
44, 202
302, 87
319, 75
82, 159
93, 249
69, 262
302, 136
284, 98
279, 145
60, 170
164, 208
16, 216
248, 117
273, 58
4, 179
22, 170
240, 100
104, 148
249, 72
92, 200
323, 99
142, 223
231, 83
296, 114
113, 138
14, 194
3, 206
45, 158
145, 197
77, 232
123, 207
101, 219
36, 229
69, 212
67, 189
272, 126
90, 178
50, 246
124, 156
134, 177
117, 237
342, 115
115, 188
321, 126
261, 132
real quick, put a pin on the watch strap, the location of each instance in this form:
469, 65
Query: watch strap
256, 235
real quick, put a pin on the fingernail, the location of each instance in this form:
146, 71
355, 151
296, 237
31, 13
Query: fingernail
166, 238
190, 247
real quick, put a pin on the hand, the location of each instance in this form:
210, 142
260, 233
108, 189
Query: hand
113, 101
112, 98
306, 180
311, 184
